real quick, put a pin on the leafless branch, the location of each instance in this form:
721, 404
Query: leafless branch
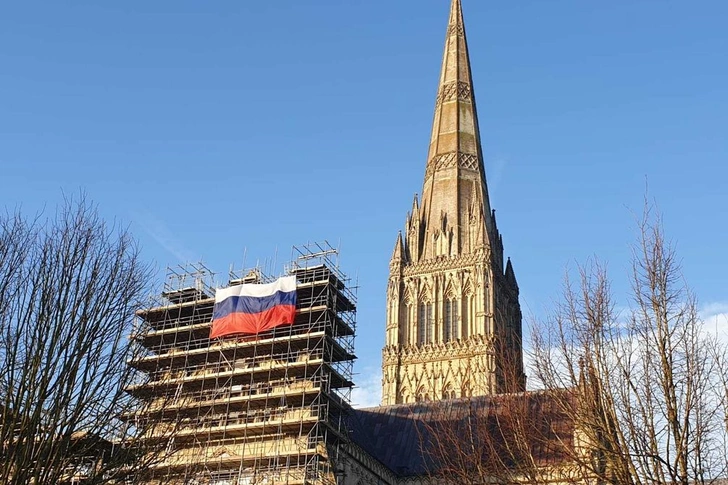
69, 286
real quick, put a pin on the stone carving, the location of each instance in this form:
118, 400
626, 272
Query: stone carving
456, 29
448, 160
454, 91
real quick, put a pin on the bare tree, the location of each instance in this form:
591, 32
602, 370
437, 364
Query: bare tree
507, 438
633, 397
68, 290
651, 380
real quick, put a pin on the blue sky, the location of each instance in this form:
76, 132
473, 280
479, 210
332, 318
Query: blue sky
223, 128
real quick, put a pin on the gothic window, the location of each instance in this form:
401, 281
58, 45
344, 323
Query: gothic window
407, 309
447, 330
467, 315
466, 389
421, 327
422, 396
451, 320
430, 324
409, 330
425, 327
448, 392
393, 320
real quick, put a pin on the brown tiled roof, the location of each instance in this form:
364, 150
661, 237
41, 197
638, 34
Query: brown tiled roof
394, 434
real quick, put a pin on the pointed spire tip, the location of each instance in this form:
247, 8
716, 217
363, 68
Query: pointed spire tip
456, 12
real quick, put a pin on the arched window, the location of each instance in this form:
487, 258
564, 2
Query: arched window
410, 318
425, 324
421, 395
451, 330
407, 317
466, 389
467, 315
404, 394
448, 392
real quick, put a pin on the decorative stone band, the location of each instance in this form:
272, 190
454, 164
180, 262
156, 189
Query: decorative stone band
454, 90
475, 346
456, 29
449, 160
463, 261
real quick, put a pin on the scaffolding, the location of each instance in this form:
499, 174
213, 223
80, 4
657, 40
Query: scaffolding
244, 409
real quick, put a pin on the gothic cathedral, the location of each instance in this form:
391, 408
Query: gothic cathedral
453, 325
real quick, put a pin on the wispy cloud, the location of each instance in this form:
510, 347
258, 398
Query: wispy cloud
715, 316
156, 229
368, 391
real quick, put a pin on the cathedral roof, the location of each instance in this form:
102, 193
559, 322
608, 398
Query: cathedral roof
391, 435
395, 435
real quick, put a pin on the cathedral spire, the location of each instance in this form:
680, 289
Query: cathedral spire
451, 303
455, 177
398, 253
511, 275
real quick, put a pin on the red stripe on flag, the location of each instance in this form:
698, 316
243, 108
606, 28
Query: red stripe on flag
253, 323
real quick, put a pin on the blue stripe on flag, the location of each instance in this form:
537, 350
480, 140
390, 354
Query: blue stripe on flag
252, 304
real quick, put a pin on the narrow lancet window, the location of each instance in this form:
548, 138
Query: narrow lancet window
422, 326
451, 330
430, 324
407, 324
425, 324
467, 312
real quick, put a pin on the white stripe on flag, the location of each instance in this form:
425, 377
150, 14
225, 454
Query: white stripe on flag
285, 284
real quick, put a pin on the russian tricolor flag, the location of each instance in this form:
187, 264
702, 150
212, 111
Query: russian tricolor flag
254, 308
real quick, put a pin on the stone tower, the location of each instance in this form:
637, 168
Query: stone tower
453, 317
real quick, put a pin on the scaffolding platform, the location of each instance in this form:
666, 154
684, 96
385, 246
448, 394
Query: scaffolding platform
269, 407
